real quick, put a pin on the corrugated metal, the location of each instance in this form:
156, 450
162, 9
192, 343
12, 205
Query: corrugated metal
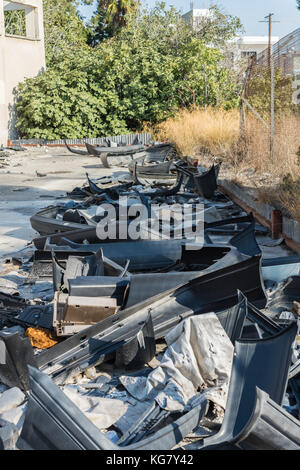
144, 137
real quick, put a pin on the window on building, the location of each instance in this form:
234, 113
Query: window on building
246, 54
15, 22
20, 20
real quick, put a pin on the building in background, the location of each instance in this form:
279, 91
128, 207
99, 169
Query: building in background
248, 46
286, 54
22, 55
195, 16
241, 47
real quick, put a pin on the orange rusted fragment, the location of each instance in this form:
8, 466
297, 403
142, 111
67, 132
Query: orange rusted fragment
41, 338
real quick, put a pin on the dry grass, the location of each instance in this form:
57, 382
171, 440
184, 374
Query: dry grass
211, 132
287, 142
204, 130
217, 132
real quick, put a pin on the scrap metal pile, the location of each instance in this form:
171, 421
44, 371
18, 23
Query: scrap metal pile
156, 342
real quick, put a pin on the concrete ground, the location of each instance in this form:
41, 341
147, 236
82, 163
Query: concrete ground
24, 190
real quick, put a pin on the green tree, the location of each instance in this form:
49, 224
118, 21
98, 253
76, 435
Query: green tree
144, 73
217, 28
258, 91
109, 17
64, 29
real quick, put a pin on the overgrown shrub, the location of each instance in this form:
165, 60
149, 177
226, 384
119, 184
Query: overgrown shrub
146, 72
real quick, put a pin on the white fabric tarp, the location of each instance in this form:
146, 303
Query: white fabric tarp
196, 365
198, 360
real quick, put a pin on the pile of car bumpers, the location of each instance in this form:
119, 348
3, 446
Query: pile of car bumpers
114, 301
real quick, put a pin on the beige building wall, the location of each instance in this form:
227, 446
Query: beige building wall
20, 58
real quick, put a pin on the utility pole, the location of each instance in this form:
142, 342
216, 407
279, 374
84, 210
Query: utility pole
269, 20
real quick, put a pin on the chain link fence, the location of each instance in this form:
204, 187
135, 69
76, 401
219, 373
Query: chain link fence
270, 110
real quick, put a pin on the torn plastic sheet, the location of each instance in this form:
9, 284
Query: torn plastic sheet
102, 411
198, 357
52, 422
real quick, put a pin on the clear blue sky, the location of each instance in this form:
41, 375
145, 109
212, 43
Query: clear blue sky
249, 11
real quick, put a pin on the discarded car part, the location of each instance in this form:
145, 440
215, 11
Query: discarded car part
140, 350
53, 422
266, 324
82, 285
280, 269
103, 158
165, 192
233, 319
206, 183
45, 222
257, 363
77, 236
36, 315
143, 421
8, 300
190, 258
151, 171
188, 175
162, 147
233, 225
92, 286
86, 348
209, 226
294, 384
155, 256
270, 427
127, 150
214, 288
99, 192
283, 298
77, 151
89, 233
152, 421
16, 353
144, 256
73, 314
136, 341
93, 265
245, 241
295, 369
93, 187
251, 331
87, 302
167, 310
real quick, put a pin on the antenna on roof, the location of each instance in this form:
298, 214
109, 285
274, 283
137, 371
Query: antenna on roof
192, 5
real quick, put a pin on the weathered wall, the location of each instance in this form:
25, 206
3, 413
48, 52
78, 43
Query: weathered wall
20, 58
